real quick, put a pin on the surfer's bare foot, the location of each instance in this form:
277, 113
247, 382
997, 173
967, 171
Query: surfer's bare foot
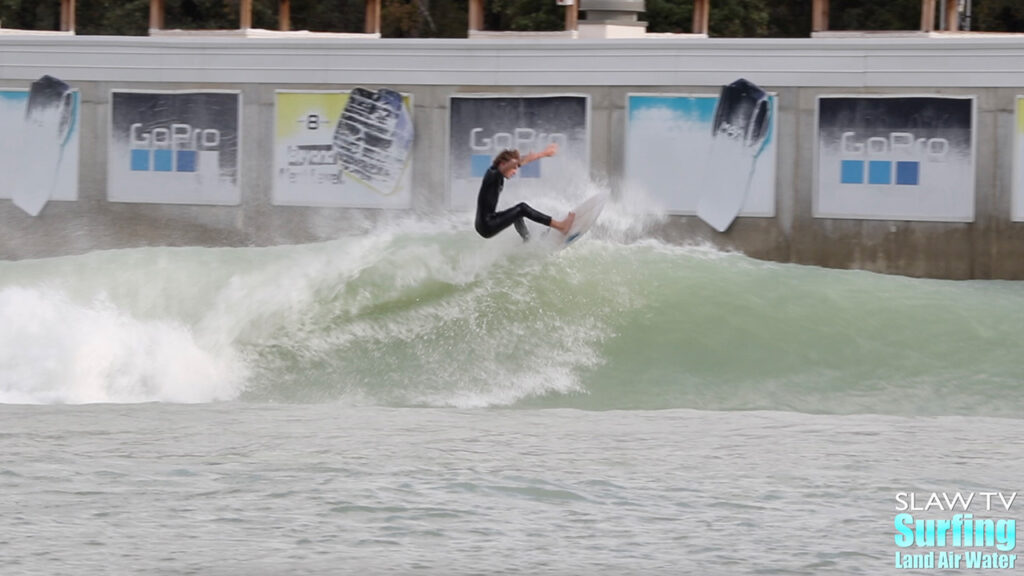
563, 226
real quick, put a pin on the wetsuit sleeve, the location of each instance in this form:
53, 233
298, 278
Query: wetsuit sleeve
490, 189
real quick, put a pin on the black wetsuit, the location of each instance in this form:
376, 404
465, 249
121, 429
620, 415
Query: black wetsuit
489, 222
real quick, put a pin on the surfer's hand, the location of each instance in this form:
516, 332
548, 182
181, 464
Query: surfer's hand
550, 150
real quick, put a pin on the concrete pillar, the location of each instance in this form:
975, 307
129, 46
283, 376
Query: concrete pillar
819, 16
67, 15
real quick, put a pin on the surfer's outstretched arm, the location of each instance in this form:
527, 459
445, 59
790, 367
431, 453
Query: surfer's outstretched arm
551, 150
562, 226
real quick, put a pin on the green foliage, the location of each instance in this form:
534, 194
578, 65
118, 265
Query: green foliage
728, 18
672, 16
113, 17
738, 18
998, 15
875, 15
400, 19
217, 14
424, 18
790, 19
523, 15
329, 15
30, 14
449, 18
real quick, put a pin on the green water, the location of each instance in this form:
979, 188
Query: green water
430, 315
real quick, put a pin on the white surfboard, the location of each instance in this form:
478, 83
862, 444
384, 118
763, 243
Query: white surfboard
741, 124
586, 216
48, 124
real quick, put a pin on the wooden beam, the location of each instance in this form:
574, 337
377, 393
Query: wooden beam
156, 14
284, 15
952, 15
476, 15
701, 12
819, 16
67, 15
927, 15
572, 15
372, 17
245, 18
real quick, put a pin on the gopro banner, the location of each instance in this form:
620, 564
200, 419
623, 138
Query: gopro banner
174, 147
895, 158
343, 149
669, 144
38, 156
481, 126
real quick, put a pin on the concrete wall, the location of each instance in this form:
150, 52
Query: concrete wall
992, 69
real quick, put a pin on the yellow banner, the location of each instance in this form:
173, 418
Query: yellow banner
343, 149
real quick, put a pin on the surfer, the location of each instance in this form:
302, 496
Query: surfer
489, 221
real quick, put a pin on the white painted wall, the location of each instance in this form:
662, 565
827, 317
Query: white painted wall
797, 70
942, 61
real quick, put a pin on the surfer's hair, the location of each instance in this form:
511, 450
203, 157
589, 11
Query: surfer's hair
505, 156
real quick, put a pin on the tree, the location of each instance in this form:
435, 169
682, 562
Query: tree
400, 19
523, 15
739, 19
875, 15
330, 15
30, 14
423, 18
112, 17
998, 15
670, 16
449, 18
216, 14
789, 19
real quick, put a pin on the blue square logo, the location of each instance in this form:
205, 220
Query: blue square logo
880, 172
479, 163
187, 160
908, 173
851, 172
531, 170
140, 160
163, 160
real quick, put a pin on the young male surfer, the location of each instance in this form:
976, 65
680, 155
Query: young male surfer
489, 221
